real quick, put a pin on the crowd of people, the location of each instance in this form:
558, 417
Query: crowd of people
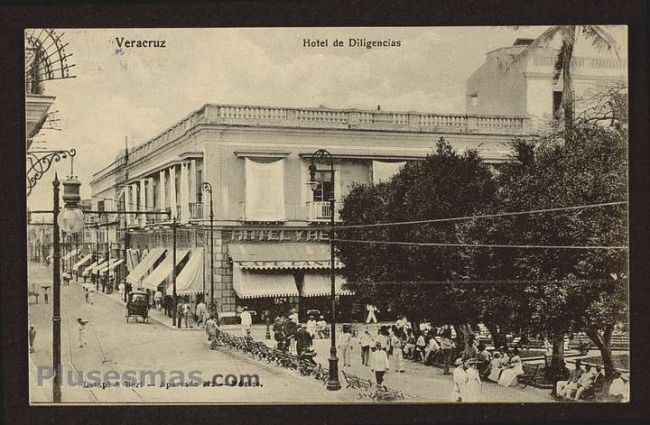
390, 347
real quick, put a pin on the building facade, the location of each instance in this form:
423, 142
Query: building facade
270, 235
528, 87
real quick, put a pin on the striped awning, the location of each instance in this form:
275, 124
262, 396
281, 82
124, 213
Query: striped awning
81, 262
100, 265
164, 269
277, 256
69, 254
143, 267
190, 280
320, 284
91, 267
110, 266
250, 284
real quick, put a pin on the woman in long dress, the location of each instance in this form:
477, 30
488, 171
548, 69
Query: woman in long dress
509, 375
495, 367
473, 392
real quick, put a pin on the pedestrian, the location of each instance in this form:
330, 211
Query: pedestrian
460, 378
157, 297
322, 327
46, 296
188, 314
32, 337
91, 298
312, 326
293, 316
372, 317
211, 328
201, 314
447, 346
345, 345
82, 332
366, 341
379, 363
120, 288
548, 353
396, 342
246, 320
179, 313
473, 390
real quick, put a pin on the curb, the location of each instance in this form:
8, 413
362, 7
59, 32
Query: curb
153, 318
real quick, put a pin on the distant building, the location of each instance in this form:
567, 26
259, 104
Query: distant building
528, 89
271, 249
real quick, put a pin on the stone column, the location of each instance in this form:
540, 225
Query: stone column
193, 182
143, 202
172, 190
127, 204
150, 196
161, 197
185, 200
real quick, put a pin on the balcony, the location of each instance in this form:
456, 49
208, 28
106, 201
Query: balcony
322, 211
196, 210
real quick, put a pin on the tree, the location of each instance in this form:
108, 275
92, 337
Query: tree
569, 290
569, 35
444, 184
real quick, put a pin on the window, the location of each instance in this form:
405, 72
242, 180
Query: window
473, 100
199, 180
325, 189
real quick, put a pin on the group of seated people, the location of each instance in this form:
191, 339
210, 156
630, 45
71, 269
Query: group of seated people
426, 346
591, 382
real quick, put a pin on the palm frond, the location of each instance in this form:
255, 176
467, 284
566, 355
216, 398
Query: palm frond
544, 40
601, 39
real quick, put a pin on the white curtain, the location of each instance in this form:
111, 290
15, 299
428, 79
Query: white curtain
383, 171
264, 190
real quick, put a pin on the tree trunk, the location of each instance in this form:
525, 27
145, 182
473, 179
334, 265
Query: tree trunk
498, 338
567, 86
604, 344
557, 362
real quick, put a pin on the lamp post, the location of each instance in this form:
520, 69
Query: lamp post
207, 187
71, 221
174, 273
333, 383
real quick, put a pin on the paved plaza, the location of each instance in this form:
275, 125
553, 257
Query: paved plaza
116, 346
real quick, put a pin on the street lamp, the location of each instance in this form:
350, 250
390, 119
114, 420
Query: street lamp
333, 383
70, 220
174, 273
207, 187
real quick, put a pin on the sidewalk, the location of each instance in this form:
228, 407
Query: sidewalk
419, 382
154, 314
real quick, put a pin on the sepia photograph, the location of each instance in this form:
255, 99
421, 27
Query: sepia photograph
327, 215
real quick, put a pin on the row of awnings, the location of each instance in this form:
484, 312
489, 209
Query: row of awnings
156, 267
69, 254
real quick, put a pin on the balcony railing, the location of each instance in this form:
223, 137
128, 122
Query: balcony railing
324, 118
322, 210
196, 210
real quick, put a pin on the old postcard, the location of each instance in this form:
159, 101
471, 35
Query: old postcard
327, 215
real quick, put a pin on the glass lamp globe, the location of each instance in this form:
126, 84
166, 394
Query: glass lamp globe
71, 220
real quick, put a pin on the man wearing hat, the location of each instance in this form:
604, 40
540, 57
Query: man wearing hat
379, 363
459, 380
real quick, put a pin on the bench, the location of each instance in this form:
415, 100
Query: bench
371, 390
